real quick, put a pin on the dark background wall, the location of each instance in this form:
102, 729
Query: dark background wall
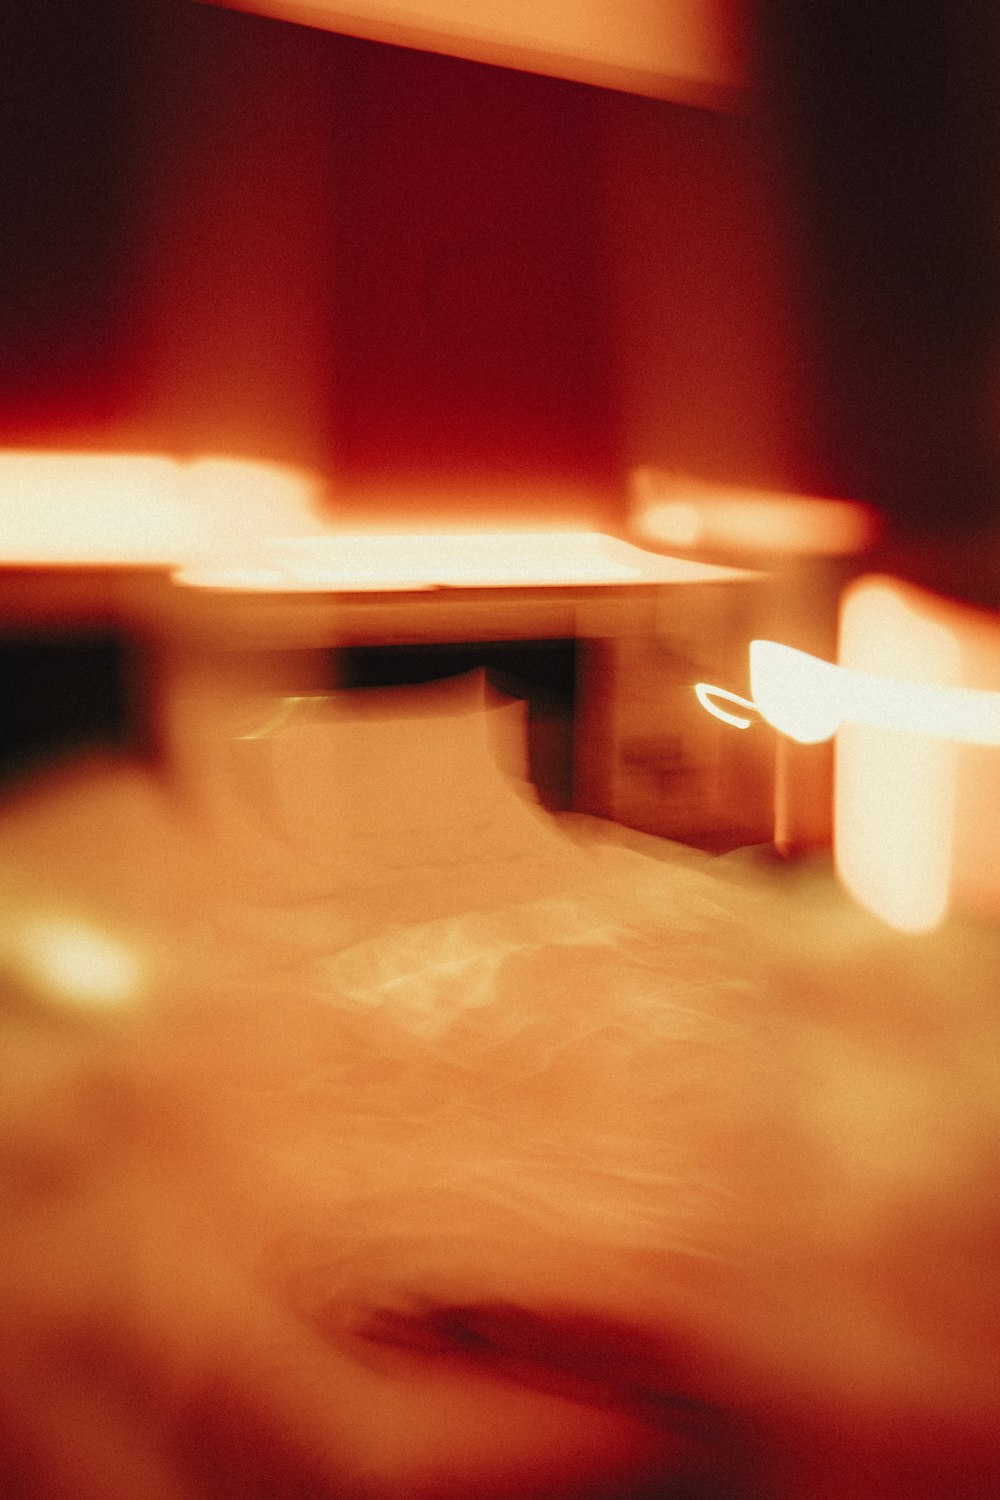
223, 232
887, 127
73, 160
470, 322
447, 284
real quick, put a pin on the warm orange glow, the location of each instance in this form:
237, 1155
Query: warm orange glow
472, 559
249, 497
676, 511
689, 50
916, 782
677, 523
66, 508
895, 788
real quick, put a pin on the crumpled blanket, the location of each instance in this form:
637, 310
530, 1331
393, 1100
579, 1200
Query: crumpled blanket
616, 1175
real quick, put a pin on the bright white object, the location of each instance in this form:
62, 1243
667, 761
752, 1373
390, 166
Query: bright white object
380, 562
82, 509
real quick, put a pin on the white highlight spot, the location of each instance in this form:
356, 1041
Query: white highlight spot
74, 963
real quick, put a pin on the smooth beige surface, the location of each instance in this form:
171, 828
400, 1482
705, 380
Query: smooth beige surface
688, 50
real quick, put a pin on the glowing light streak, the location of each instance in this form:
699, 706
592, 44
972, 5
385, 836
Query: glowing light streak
808, 699
899, 715
383, 561
707, 694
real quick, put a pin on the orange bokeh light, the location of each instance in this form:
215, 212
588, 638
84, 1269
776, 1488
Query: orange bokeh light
895, 788
677, 511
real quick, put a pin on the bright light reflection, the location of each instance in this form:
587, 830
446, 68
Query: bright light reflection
797, 693
678, 511
89, 508
808, 698
142, 509
708, 697
473, 559
895, 791
899, 712
74, 963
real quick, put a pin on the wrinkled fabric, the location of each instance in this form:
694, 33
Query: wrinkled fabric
581, 1173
